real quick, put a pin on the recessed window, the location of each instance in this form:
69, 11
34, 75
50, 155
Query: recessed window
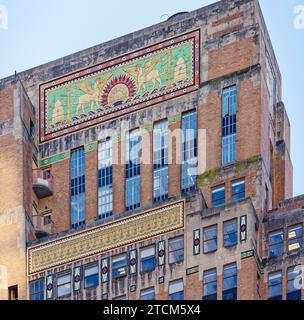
295, 238
176, 290
294, 283
230, 233
37, 289
238, 191
91, 277
229, 108
276, 243
105, 197
47, 219
147, 259
176, 250
189, 151
230, 282
77, 176
147, 294
160, 161
133, 142
210, 239
119, 266
13, 293
275, 286
63, 285
218, 197
210, 285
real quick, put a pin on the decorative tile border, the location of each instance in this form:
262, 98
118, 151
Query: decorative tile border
120, 86
50, 160
106, 237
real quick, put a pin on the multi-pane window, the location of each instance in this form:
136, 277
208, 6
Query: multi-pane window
229, 108
295, 238
210, 239
230, 282
119, 266
189, 151
176, 250
276, 243
176, 290
230, 233
147, 259
105, 198
238, 191
160, 161
275, 286
37, 289
147, 294
91, 277
294, 283
133, 140
210, 285
218, 196
77, 188
63, 285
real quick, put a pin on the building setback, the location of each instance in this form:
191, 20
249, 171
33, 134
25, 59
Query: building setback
153, 166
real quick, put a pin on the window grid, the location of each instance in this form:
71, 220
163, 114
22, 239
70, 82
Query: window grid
77, 188
218, 196
210, 285
230, 233
210, 239
160, 161
133, 141
105, 178
119, 266
189, 151
295, 238
276, 243
37, 289
230, 282
238, 191
275, 286
64, 285
176, 250
229, 108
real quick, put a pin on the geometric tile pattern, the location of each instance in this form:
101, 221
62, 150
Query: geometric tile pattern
106, 237
119, 86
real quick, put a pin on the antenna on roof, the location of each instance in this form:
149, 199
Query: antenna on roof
15, 79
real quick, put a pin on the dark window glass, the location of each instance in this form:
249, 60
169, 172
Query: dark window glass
176, 290
133, 142
189, 151
210, 285
276, 243
294, 283
119, 266
275, 286
230, 282
105, 198
218, 197
77, 188
210, 239
91, 277
37, 289
229, 108
160, 161
148, 294
230, 233
147, 259
238, 191
176, 250
64, 285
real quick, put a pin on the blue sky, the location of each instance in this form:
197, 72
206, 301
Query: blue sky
40, 31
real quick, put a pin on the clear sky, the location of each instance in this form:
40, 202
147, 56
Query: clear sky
40, 31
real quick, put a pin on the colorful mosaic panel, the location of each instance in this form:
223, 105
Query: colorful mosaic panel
50, 287
77, 278
120, 86
105, 270
243, 228
161, 253
133, 262
106, 237
196, 242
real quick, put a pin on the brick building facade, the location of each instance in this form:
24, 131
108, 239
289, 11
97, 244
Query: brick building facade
154, 166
